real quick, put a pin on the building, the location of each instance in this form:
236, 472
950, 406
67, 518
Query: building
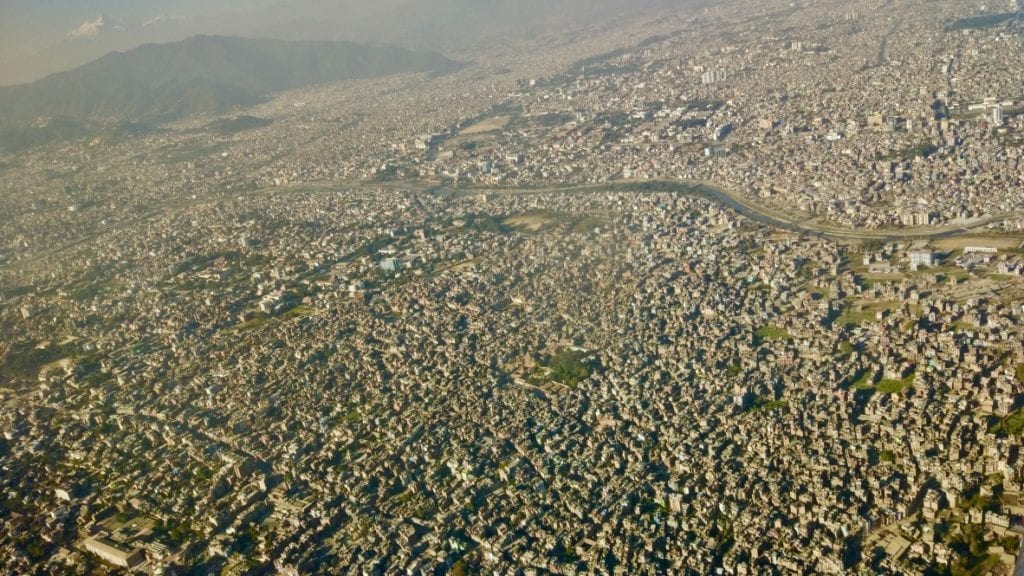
997, 115
722, 131
920, 258
717, 152
114, 554
275, 302
712, 76
390, 264
910, 217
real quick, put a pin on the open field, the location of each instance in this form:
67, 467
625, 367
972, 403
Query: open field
532, 222
960, 242
488, 125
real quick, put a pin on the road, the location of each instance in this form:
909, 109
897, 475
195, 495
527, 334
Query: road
769, 216
742, 204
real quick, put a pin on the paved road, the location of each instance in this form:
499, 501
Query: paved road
772, 217
753, 210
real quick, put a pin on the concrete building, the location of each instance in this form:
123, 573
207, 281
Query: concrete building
113, 553
920, 258
713, 76
390, 264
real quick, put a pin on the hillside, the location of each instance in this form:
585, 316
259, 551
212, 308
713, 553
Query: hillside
204, 74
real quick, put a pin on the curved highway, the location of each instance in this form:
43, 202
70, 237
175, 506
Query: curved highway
758, 213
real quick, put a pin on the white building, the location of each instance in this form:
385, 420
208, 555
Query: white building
920, 258
997, 115
390, 264
712, 76
110, 552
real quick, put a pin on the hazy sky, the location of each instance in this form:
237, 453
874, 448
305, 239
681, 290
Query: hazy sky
47, 21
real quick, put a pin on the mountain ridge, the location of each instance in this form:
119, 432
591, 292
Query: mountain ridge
202, 74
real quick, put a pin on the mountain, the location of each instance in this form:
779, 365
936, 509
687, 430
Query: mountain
36, 40
204, 74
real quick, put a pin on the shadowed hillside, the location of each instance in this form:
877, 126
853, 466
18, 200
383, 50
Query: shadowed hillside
204, 74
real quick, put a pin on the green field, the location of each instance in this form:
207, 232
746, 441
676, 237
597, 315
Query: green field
895, 386
864, 381
766, 333
1011, 425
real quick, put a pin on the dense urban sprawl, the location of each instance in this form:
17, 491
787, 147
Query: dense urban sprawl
482, 322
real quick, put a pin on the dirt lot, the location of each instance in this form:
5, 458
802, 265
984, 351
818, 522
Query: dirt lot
489, 125
959, 242
532, 222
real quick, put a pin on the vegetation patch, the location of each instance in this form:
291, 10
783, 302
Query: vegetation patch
764, 404
1011, 425
24, 361
890, 386
587, 224
863, 381
766, 333
297, 312
487, 223
259, 321
569, 366
922, 150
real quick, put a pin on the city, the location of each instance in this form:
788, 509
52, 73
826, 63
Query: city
733, 290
